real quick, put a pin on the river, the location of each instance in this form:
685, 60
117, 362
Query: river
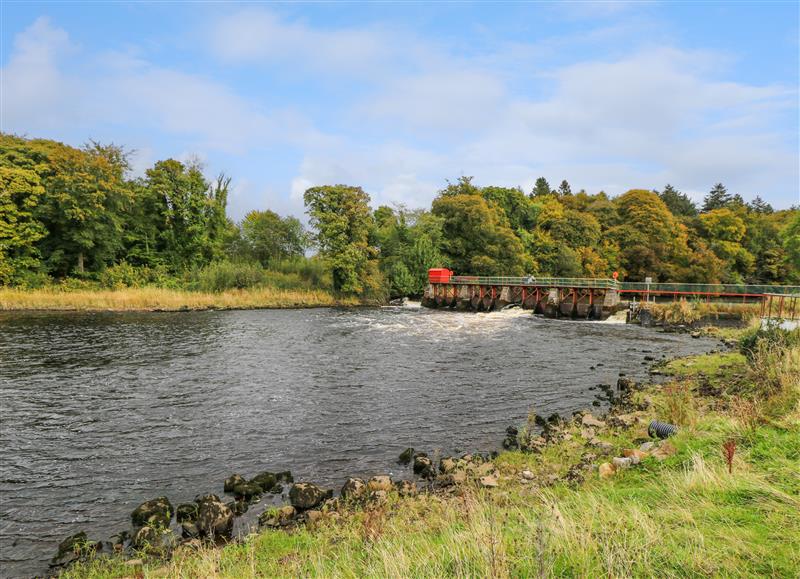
101, 411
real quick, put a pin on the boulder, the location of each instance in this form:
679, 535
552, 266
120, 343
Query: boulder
647, 446
447, 465
203, 498
247, 490
379, 496
153, 513
424, 467
232, 482
238, 507
277, 517
265, 480
625, 384
510, 443
305, 496
314, 517
621, 462
512, 431
284, 476
354, 488
406, 456
189, 530
70, 550
405, 488
527, 475
488, 481
635, 455
664, 450
592, 422
380, 483
146, 539
214, 519
606, 470
186, 512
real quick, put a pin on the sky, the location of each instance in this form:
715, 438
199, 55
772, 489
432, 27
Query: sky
400, 97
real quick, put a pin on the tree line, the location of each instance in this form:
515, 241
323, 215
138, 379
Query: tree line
75, 213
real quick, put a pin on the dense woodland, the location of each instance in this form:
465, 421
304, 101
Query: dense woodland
76, 218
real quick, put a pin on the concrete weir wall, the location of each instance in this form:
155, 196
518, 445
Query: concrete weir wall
553, 302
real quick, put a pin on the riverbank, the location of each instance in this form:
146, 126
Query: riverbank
159, 299
571, 504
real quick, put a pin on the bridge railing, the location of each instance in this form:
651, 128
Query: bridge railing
688, 289
707, 289
600, 283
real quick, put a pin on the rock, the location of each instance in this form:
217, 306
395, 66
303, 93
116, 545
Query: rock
405, 488
70, 550
284, 476
510, 442
621, 462
277, 517
527, 475
602, 446
606, 470
232, 481
485, 468
447, 465
265, 480
305, 496
134, 563
635, 455
512, 431
214, 519
354, 488
380, 483
406, 456
186, 512
314, 517
592, 422
626, 420
146, 539
424, 467
696, 334
189, 530
379, 496
649, 358
488, 481
625, 384
276, 489
238, 507
664, 450
153, 513
204, 498
647, 446
247, 490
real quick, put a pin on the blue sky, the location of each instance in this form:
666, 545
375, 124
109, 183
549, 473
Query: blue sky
399, 97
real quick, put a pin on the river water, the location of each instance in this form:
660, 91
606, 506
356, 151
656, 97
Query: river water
102, 411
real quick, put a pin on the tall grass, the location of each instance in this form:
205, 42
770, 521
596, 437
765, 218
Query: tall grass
148, 299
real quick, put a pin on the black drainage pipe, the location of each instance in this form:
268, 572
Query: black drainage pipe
661, 429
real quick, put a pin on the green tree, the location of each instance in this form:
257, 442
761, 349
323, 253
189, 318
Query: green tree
717, 198
518, 208
341, 218
651, 241
758, 205
541, 187
564, 189
791, 245
678, 203
477, 239
20, 194
269, 238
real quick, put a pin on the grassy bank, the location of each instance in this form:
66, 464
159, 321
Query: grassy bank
680, 512
149, 299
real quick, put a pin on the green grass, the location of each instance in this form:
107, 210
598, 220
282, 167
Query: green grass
685, 516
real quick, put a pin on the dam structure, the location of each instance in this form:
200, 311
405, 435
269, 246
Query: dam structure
587, 298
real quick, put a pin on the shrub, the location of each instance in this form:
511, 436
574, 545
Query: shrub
772, 335
226, 275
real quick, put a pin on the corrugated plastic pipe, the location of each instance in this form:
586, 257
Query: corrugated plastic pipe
661, 429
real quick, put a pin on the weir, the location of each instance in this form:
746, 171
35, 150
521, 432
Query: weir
593, 299
588, 298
